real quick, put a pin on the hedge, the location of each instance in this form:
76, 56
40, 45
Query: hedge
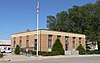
44, 53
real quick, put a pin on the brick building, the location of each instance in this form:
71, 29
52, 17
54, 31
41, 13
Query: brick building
28, 39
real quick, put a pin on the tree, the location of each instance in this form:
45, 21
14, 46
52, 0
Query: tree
97, 5
79, 19
81, 49
17, 49
58, 48
58, 22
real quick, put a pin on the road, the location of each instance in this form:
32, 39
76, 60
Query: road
63, 60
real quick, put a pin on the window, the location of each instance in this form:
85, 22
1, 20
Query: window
27, 43
73, 44
20, 43
14, 44
35, 44
8, 48
49, 41
80, 40
5, 48
66, 43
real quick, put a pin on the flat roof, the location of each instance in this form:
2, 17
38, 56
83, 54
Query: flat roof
43, 31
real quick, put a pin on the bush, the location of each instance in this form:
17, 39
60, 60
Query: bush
93, 52
44, 53
57, 48
81, 49
1, 55
33, 52
17, 49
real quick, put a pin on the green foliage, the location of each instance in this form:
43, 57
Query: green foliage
1, 55
93, 52
98, 45
57, 22
81, 49
57, 48
17, 49
33, 52
44, 53
79, 19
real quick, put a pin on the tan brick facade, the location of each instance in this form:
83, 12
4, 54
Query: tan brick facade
28, 38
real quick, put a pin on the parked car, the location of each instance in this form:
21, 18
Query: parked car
6, 49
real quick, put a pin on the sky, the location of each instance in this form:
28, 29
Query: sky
19, 15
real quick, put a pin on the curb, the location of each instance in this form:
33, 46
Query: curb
44, 57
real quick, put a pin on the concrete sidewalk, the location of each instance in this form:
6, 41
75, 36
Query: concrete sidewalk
28, 58
68, 56
19, 58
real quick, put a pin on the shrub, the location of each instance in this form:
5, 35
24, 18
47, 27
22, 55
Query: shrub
93, 52
81, 49
1, 55
57, 48
89, 52
17, 49
33, 52
44, 53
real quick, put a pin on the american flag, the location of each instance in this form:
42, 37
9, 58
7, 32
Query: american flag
37, 7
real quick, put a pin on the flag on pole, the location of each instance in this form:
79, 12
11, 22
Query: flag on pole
37, 10
37, 7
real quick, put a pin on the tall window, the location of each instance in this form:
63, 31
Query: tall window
66, 43
49, 41
27, 43
20, 43
35, 44
14, 44
73, 44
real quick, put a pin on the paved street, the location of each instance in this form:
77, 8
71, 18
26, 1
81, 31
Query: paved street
92, 59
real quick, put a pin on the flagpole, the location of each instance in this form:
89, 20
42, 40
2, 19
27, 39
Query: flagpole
37, 25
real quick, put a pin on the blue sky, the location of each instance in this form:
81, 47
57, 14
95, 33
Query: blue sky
19, 15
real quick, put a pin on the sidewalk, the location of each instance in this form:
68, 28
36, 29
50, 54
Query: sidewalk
68, 56
28, 58
19, 58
